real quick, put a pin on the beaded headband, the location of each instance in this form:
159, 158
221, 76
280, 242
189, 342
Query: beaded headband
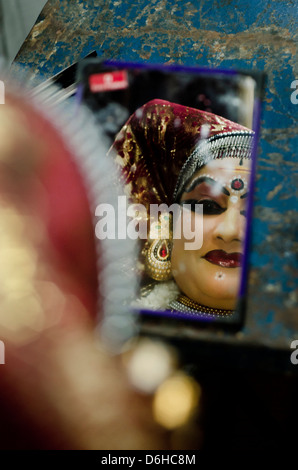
237, 144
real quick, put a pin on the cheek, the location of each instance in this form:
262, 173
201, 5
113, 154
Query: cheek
209, 224
222, 284
183, 256
242, 227
178, 258
186, 264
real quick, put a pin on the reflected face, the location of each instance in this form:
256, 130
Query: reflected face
211, 275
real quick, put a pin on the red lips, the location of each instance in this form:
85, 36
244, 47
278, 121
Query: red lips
223, 259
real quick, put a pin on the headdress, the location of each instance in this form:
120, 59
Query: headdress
163, 143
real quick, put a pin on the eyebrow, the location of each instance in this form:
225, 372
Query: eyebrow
244, 196
206, 179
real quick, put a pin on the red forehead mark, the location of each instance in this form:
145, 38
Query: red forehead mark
237, 184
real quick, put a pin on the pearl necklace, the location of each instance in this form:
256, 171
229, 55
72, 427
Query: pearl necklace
184, 304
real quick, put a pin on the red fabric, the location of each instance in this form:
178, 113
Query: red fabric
155, 143
57, 194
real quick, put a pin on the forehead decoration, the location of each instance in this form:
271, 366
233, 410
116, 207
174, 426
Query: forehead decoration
236, 144
238, 184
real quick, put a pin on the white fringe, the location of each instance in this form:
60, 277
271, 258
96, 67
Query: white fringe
160, 296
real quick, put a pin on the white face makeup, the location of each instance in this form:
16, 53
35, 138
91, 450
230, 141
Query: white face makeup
213, 272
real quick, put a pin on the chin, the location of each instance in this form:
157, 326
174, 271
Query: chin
218, 302
227, 304
221, 294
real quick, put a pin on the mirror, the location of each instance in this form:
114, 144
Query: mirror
183, 140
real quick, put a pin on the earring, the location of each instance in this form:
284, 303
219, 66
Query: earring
158, 260
158, 249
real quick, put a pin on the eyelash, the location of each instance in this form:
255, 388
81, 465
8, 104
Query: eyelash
209, 207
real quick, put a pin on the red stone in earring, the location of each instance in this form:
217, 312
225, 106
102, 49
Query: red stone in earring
163, 252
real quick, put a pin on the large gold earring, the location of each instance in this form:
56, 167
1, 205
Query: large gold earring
158, 260
158, 249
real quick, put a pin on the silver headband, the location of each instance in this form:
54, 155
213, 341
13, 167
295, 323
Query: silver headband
237, 144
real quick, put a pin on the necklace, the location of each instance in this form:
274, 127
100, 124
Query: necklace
184, 304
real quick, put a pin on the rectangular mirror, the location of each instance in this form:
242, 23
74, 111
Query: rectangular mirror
184, 141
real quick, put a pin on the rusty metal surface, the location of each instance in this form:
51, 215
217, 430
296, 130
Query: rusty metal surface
242, 34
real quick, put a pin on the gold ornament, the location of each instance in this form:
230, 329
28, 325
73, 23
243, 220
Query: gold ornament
158, 249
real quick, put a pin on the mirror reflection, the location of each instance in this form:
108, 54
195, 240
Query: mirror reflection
183, 144
195, 166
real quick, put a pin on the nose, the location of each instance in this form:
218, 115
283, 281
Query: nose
230, 227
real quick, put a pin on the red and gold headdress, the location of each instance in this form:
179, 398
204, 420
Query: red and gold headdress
163, 143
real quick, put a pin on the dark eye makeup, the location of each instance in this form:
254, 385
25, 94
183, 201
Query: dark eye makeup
210, 207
